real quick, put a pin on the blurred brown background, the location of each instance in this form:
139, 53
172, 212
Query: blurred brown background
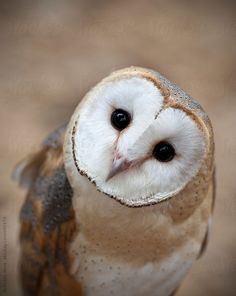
52, 52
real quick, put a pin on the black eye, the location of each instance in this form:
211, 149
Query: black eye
120, 119
164, 152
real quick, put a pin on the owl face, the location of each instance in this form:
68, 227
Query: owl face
135, 142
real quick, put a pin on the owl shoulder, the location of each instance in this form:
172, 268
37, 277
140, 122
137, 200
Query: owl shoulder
212, 193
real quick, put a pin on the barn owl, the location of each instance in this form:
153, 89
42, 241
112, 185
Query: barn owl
119, 199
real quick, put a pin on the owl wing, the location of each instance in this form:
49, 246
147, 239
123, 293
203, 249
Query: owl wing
47, 222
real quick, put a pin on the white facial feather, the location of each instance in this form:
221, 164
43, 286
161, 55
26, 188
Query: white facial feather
96, 140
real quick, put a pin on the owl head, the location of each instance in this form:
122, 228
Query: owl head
138, 138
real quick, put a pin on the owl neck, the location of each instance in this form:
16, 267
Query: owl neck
111, 229
95, 209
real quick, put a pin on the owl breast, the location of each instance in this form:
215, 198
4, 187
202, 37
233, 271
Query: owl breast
102, 276
133, 251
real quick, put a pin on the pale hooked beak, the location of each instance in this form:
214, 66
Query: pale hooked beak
118, 166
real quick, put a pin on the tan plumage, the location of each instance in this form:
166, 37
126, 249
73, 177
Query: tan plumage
67, 241
47, 223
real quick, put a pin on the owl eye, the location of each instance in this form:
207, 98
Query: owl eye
164, 152
120, 119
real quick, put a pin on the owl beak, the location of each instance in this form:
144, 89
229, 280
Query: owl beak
118, 166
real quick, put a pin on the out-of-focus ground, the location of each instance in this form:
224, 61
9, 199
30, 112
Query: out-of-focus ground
52, 52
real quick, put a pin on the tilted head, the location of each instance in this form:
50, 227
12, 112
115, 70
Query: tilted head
138, 138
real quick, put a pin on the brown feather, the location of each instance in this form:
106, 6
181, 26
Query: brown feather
47, 223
